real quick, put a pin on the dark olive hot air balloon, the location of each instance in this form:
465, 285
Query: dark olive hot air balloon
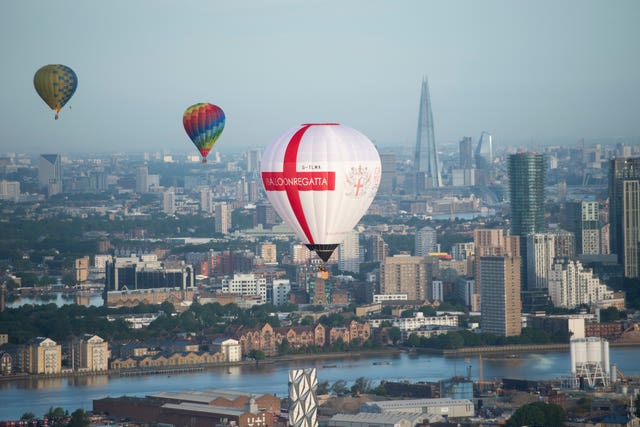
204, 123
55, 84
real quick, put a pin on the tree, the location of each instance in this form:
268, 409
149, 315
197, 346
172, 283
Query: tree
257, 355
609, 314
538, 414
361, 385
54, 413
339, 387
395, 334
27, 416
307, 320
637, 405
322, 388
284, 347
79, 418
413, 340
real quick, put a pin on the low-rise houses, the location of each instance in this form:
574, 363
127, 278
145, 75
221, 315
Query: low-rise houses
267, 338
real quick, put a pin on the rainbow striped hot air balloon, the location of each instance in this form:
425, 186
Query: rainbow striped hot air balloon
204, 123
55, 84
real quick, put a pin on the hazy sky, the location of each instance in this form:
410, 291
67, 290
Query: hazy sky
523, 70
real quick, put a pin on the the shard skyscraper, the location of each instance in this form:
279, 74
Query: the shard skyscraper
426, 158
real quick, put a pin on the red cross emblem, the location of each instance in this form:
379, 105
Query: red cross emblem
293, 181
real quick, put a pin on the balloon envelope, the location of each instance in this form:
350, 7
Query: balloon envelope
321, 179
56, 84
204, 123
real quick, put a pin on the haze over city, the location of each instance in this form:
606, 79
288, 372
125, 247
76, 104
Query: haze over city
529, 72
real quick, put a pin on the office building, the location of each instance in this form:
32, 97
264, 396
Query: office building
464, 174
583, 220
425, 241
142, 179
377, 249
526, 190
269, 253
483, 155
266, 215
624, 213
146, 272
10, 190
280, 290
222, 222
349, 252
426, 155
206, 200
466, 153
169, 202
246, 285
253, 160
82, 269
50, 174
388, 175
500, 295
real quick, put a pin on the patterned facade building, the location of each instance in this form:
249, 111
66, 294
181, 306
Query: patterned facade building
302, 394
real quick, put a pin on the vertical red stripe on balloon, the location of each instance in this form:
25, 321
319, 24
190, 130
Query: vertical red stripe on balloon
289, 170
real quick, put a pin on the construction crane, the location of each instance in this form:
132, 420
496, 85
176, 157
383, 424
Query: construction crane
481, 382
622, 376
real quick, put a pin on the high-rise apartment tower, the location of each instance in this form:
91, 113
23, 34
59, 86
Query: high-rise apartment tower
624, 212
526, 191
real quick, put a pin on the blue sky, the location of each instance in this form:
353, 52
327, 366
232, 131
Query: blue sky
527, 71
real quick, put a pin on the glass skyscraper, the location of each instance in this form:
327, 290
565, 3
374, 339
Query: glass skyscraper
624, 212
526, 191
426, 158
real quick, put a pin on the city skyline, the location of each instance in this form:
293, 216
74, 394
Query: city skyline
515, 70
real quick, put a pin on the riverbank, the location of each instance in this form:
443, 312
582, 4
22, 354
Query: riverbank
510, 351
179, 369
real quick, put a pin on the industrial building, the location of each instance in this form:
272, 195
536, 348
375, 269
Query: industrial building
452, 408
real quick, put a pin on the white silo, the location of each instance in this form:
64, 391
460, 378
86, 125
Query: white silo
590, 360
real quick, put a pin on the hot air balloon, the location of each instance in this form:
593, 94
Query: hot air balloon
204, 124
55, 84
321, 179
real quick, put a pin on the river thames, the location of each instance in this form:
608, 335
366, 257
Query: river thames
38, 396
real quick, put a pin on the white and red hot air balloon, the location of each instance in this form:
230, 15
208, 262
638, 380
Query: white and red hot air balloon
321, 179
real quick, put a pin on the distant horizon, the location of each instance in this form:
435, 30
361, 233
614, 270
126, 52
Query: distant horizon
224, 149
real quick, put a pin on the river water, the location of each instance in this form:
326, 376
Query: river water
37, 396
